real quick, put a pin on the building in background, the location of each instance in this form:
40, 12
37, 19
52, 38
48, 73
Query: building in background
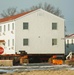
69, 43
35, 32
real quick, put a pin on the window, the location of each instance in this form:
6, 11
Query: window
8, 42
4, 28
68, 43
12, 42
54, 41
12, 26
25, 42
25, 25
0, 28
72, 41
8, 27
54, 26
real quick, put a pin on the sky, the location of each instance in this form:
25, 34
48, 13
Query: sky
66, 6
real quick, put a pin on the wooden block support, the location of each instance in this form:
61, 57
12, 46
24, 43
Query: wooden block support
6, 62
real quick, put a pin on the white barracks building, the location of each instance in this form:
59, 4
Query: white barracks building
36, 32
69, 44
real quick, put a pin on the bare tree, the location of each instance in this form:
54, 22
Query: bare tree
48, 8
12, 11
9, 12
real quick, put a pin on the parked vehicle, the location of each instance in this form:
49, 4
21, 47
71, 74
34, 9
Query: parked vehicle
70, 59
58, 60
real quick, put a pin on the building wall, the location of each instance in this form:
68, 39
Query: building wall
8, 34
40, 33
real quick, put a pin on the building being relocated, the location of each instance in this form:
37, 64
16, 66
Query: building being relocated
36, 32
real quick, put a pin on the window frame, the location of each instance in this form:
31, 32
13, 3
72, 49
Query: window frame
54, 41
8, 42
54, 26
8, 27
12, 42
0, 28
4, 28
12, 26
25, 25
72, 42
68, 41
25, 43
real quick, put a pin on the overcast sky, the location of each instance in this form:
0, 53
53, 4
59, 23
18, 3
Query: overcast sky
66, 6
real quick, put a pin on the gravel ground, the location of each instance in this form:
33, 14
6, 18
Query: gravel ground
44, 72
38, 70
